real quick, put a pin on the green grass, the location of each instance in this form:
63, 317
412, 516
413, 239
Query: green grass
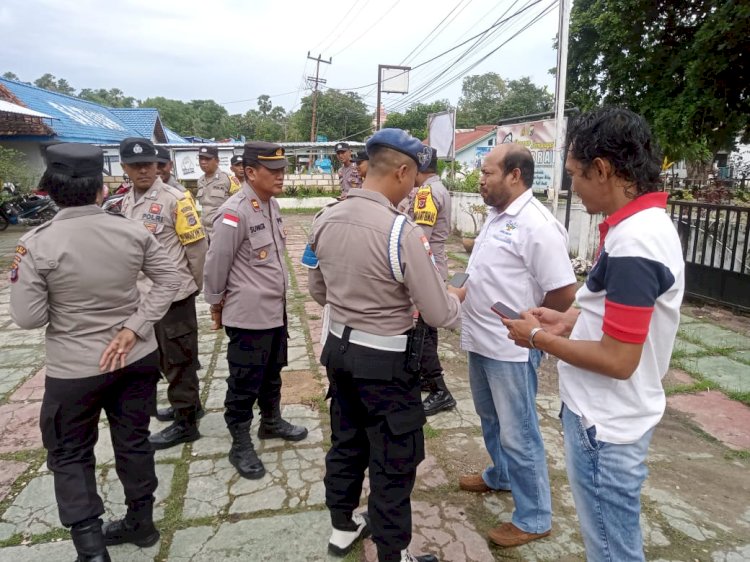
312, 211
742, 455
463, 258
430, 432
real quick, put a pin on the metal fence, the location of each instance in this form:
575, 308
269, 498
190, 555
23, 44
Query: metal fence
715, 244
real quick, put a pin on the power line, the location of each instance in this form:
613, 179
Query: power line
458, 75
256, 97
433, 30
388, 11
447, 51
342, 20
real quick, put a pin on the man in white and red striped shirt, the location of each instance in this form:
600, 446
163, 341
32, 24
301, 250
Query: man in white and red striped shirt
245, 283
621, 338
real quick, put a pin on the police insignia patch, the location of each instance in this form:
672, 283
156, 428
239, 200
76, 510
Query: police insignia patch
137, 149
255, 204
150, 226
191, 220
155, 208
21, 250
262, 254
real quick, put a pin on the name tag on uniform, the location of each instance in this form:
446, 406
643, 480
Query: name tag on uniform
231, 220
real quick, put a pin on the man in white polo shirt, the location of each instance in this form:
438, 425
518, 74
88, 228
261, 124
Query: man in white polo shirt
520, 258
620, 340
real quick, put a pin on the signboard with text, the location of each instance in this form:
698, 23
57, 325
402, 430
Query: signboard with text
539, 138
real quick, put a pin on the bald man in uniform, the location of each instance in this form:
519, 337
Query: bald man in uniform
170, 215
372, 266
77, 274
245, 284
213, 187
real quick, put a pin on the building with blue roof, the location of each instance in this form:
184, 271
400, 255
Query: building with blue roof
71, 119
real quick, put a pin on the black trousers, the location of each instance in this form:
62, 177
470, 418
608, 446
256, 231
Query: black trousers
255, 359
431, 367
177, 336
376, 423
69, 422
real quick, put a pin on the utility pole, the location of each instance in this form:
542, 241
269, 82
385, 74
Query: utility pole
560, 86
315, 81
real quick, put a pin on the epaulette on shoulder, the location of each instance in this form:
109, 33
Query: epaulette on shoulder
325, 208
33, 232
174, 192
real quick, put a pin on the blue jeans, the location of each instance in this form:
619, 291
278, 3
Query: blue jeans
606, 480
504, 396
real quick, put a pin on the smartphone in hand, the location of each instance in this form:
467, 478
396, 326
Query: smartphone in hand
458, 280
505, 311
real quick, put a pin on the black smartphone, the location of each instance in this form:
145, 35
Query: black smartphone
505, 311
458, 280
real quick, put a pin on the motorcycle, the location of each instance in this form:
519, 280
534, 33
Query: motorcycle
25, 210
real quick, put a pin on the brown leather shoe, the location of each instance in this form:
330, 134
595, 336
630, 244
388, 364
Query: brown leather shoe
473, 483
508, 534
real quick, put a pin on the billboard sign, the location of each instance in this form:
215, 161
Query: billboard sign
539, 138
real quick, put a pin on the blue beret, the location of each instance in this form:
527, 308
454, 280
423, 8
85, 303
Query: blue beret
400, 140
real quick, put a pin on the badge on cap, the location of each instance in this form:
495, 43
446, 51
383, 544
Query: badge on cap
137, 149
262, 254
255, 204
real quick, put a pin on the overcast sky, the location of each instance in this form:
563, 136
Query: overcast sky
231, 50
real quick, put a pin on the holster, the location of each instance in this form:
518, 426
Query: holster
414, 347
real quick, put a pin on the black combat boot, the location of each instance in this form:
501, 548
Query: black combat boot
167, 414
137, 527
242, 455
89, 541
183, 430
272, 425
439, 398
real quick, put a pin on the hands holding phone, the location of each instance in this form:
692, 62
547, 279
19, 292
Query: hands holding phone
456, 285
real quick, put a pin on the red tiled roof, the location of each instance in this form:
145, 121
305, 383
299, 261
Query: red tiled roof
465, 138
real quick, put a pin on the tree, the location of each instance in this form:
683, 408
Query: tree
11, 76
684, 65
340, 115
481, 95
267, 123
486, 98
175, 114
13, 169
524, 98
49, 82
110, 98
414, 119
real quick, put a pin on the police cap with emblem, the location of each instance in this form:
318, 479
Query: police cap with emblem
75, 160
135, 149
162, 155
236, 159
361, 156
266, 154
401, 141
208, 152
342, 147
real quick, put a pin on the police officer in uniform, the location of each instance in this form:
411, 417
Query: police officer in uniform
170, 215
372, 266
348, 174
246, 284
239, 173
213, 187
165, 167
101, 349
361, 160
431, 210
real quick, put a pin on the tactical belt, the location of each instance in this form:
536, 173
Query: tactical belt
373, 341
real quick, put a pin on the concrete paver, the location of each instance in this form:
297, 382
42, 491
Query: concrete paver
695, 501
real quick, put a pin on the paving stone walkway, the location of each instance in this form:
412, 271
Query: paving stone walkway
696, 501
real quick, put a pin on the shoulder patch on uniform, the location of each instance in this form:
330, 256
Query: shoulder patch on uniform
230, 219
